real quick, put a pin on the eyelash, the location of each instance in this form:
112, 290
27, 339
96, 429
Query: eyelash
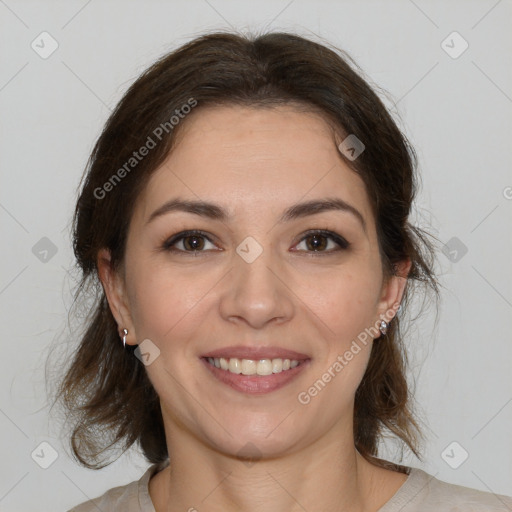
340, 241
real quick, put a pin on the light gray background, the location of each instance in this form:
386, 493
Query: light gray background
456, 111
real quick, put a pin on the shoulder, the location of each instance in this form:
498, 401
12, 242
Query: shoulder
422, 492
132, 497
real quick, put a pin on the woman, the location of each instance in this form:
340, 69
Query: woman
246, 212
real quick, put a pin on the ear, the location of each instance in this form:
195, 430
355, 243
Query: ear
115, 291
393, 290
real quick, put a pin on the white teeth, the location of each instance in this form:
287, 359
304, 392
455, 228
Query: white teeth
248, 367
235, 365
264, 367
277, 365
253, 367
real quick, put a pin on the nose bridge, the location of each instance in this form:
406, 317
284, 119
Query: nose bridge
255, 292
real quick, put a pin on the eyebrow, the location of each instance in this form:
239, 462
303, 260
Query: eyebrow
296, 211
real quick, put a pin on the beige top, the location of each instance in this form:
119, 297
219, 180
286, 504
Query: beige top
421, 492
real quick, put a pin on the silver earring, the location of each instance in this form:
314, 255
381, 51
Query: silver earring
383, 327
125, 333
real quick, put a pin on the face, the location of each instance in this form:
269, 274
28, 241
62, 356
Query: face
252, 279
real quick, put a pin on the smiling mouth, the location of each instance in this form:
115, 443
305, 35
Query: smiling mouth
255, 376
261, 367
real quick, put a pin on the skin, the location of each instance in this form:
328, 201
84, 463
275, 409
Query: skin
255, 163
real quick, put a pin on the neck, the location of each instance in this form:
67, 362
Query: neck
326, 475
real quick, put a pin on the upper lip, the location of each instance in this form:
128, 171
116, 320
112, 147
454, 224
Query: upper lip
256, 353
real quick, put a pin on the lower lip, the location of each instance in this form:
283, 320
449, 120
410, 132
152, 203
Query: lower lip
256, 384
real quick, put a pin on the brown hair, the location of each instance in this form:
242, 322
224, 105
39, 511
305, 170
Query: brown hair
106, 391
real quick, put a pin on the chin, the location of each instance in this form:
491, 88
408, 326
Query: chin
255, 436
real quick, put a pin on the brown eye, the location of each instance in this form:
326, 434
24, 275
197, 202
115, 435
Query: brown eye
188, 242
316, 242
193, 243
322, 242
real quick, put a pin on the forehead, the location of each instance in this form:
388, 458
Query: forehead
249, 159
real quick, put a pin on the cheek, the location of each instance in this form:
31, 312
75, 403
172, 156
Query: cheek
346, 301
164, 302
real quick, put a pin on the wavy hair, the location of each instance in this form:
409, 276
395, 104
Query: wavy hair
105, 390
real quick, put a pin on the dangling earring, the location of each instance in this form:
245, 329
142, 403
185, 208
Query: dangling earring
125, 333
383, 327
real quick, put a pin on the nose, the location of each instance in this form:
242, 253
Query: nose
257, 293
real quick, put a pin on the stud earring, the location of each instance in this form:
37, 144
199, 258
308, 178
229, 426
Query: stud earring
125, 333
383, 327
